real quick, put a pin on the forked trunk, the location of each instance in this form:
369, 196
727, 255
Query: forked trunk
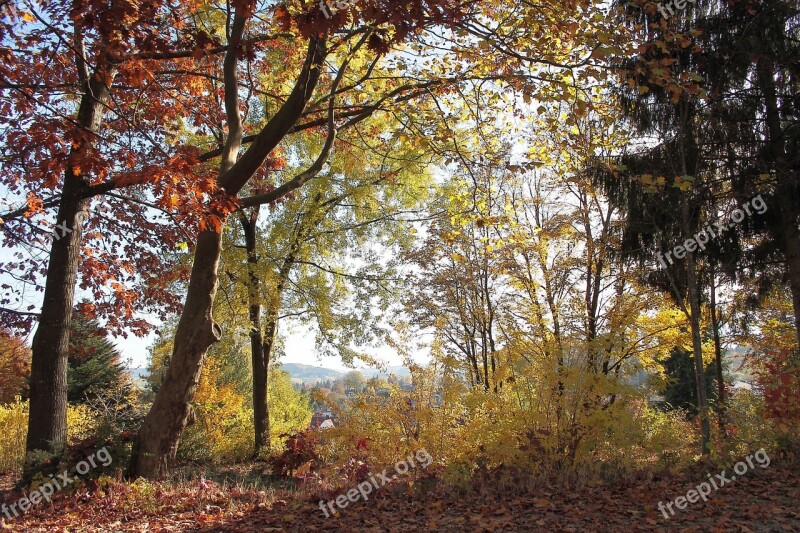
156, 444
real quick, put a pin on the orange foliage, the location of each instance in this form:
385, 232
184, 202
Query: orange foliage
15, 366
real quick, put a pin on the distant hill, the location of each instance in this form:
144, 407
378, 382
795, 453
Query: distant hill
309, 373
140, 373
300, 373
313, 374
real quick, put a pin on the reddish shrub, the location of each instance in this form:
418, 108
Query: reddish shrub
301, 451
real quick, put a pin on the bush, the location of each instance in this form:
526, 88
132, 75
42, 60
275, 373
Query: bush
119, 415
300, 449
780, 381
81, 424
14, 421
526, 427
747, 427
222, 430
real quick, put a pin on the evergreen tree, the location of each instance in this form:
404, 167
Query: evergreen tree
95, 366
681, 391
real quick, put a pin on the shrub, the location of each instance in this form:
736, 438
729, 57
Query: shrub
300, 449
81, 424
139, 495
780, 381
778, 376
14, 421
222, 431
594, 426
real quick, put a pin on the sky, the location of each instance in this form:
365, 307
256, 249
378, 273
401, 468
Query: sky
299, 341
299, 348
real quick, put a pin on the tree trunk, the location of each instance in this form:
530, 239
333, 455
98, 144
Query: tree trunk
717, 355
156, 444
789, 233
697, 343
260, 363
47, 423
259, 359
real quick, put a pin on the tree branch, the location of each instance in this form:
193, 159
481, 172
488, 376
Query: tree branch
279, 126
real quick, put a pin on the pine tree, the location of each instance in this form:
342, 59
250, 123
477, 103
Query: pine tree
681, 391
95, 366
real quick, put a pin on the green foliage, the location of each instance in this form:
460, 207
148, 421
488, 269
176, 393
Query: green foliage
222, 429
354, 381
681, 390
95, 366
289, 409
118, 415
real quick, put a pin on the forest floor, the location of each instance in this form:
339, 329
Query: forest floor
762, 500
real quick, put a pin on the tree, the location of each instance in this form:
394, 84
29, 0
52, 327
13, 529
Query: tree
15, 361
456, 290
300, 266
753, 122
156, 443
397, 22
354, 381
661, 97
63, 154
163, 144
78, 156
681, 390
95, 364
